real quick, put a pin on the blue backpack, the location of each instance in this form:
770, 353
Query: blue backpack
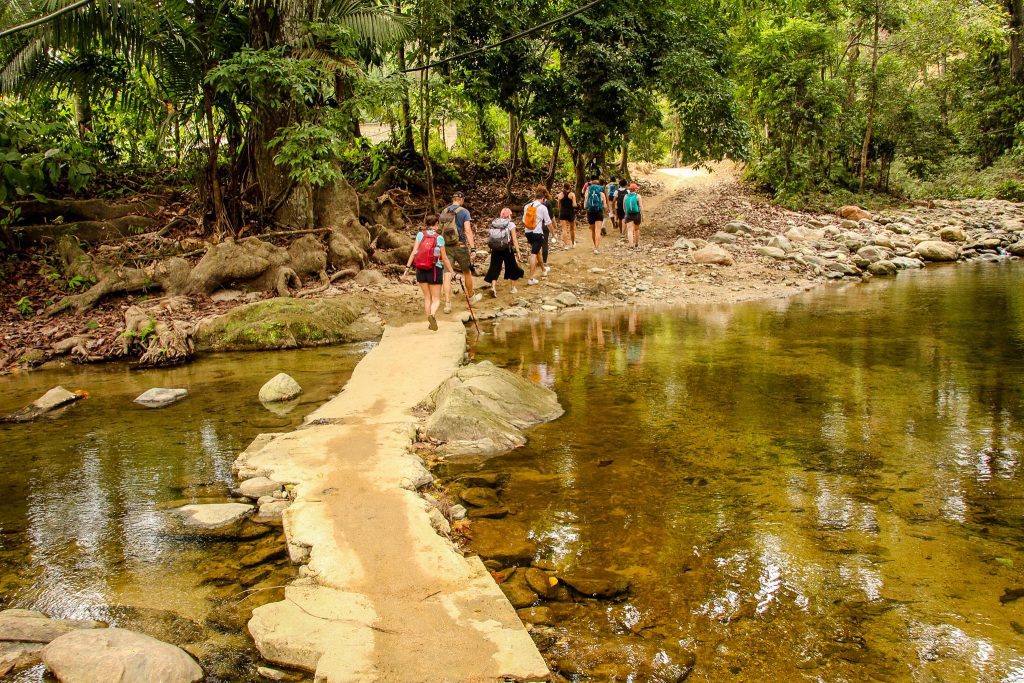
613, 191
595, 198
632, 203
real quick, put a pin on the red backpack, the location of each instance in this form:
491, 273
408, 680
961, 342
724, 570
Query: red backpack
425, 252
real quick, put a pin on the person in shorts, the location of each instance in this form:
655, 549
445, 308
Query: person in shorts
620, 212
567, 216
595, 201
633, 206
535, 218
431, 264
456, 225
504, 245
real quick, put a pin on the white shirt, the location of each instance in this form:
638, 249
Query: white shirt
543, 217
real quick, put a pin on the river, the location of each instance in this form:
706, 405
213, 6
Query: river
821, 488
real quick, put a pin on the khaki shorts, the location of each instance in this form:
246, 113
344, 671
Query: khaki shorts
459, 256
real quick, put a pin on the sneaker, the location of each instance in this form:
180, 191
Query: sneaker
431, 322
476, 298
547, 269
447, 307
513, 290
494, 292
531, 281
596, 251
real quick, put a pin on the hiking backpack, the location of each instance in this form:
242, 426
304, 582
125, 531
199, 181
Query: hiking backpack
530, 216
446, 224
594, 198
425, 259
613, 191
499, 235
632, 203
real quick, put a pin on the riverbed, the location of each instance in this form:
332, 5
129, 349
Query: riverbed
820, 487
83, 531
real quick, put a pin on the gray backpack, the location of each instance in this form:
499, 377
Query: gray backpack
499, 235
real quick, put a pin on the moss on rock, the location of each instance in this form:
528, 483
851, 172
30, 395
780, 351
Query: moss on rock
286, 323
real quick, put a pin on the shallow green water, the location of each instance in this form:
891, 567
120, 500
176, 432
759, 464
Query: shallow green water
82, 494
825, 488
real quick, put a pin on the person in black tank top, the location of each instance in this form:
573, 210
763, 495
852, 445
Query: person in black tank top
567, 216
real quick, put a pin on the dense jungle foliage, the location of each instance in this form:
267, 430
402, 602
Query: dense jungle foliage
251, 102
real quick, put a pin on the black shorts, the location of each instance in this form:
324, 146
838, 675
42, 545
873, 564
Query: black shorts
633, 218
430, 276
536, 242
594, 216
620, 212
570, 217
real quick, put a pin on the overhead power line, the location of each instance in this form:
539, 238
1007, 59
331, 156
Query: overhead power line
43, 19
503, 41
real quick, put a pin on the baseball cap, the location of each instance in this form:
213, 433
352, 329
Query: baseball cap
458, 195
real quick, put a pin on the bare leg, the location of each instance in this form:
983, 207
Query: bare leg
467, 280
447, 282
426, 297
435, 299
595, 233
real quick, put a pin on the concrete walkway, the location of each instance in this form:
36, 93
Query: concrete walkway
382, 596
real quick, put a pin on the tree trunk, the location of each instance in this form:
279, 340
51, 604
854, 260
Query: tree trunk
425, 134
523, 153
624, 162
513, 162
1015, 8
407, 138
872, 102
83, 112
549, 180
221, 221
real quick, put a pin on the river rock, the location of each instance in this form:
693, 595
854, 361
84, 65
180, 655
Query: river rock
567, 299
771, 252
540, 616
215, 520
882, 268
370, 278
938, 251
496, 512
29, 626
1017, 248
540, 582
714, 255
722, 238
479, 497
57, 397
17, 655
738, 228
281, 387
853, 213
271, 512
780, 242
258, 486
488, 480
595, 583
482, 409
114, 654
683, 243
872, 253
518, 591
515, 312
952, 233
906, 263
158, 397
502, 540
799, 233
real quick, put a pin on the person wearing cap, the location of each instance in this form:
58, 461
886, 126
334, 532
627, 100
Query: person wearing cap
633, 206
456, 226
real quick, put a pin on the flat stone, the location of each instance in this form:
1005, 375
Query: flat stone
780, 242
771, 252
33, 629
567, 299
515, 312
683, 243
158, 397
479, 497
19, 655
738, 227
481, 479
722, 238
271, 512
281, 387
540, 616
495, 512
502, 540
53, 399
801, 234
595, 583
209, 520
114, 654
258, 486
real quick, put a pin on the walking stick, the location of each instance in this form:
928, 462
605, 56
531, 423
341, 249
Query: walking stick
472, 315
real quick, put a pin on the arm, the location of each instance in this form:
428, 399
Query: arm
470, 239
412, 255
572, 196
515, 241
445, 261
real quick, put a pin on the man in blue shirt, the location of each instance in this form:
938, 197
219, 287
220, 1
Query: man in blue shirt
457, 229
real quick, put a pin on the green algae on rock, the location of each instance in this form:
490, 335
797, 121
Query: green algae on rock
286, 323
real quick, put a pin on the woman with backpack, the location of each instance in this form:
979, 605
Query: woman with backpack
567, 216
431, 261
633, 208
504, 245
596, 203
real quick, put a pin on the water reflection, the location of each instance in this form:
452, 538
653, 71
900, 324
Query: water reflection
820, 488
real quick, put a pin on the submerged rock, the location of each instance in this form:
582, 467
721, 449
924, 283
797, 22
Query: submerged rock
258, 486
29, 626
596, 583
158, 398
214, 520
518, 591
281, 387
482, 409
479, 497
502, 540
57, 397
115, 654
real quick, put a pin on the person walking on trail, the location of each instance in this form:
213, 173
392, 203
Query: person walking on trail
567, 216
431, 261
596, 203
504, 245
633, 207
612, 191
456, 225
620, 211
535, 217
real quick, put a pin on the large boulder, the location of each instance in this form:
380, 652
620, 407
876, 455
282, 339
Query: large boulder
873, 253
882, 267
29, 626
938, 251
287, 323
714, 255
482, 408
55, 398
799, 233
280, 387
1017, 248
854, 213
114, 654
952, 233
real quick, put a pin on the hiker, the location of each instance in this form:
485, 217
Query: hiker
504, 245
633, 208
456, 226
431, 261
567, 216
535, 217
612, 191
595, 202
620, 212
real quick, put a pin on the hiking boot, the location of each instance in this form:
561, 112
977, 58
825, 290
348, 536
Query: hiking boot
476, 298
432, 322
447, 307
531, 282
547, 269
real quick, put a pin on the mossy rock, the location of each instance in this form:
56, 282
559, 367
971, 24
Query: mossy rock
285, 323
